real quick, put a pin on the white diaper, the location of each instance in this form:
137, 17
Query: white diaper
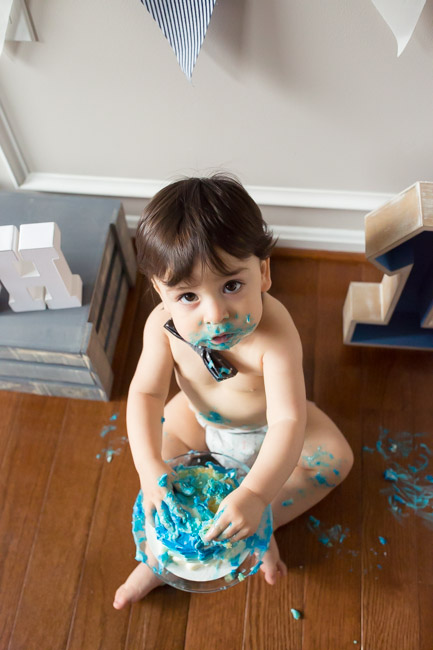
241, 443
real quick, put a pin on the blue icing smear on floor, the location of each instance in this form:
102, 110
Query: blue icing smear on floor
409, 480
114, 445
327, 536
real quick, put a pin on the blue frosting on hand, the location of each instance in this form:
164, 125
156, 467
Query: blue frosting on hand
187, 513
190, 509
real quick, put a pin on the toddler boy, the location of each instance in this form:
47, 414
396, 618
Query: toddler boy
237, 359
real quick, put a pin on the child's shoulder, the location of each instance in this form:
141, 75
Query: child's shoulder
275, 315
277, 323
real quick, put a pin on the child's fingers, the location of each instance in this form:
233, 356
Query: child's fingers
219, 525
150, 512
238, 535
165, 517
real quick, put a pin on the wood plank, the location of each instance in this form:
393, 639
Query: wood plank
209, 622
390, 594
159, 621
109, 554
53, 574
9, 405
268, 621
24, 474
332, 575
425, 595
421, 372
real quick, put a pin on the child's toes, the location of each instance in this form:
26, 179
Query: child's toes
121, 598
269, 570
281, 568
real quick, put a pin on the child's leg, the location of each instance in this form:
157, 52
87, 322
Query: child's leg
181, 432
325, 461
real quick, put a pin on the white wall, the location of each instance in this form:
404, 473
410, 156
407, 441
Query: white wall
286, 93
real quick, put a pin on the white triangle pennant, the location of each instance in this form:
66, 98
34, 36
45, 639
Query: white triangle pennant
401, 16
184, 24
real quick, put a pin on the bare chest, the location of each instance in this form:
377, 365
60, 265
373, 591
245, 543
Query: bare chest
241, 399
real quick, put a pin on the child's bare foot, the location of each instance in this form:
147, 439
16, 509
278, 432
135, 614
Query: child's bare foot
272, 563
139, 583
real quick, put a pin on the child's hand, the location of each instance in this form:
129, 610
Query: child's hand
155, 485
238, 516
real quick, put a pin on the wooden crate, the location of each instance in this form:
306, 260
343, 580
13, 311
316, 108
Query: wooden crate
68, 352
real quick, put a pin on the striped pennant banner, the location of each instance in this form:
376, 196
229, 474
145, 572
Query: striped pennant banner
184, 24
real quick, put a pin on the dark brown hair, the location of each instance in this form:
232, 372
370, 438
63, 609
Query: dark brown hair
190, 219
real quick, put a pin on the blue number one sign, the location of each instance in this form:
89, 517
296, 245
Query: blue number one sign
398, 311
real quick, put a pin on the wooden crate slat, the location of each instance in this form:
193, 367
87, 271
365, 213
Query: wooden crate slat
41, 356
117, 318
47, 388
44, 371
97, 361
125, 246
110, 300
102, 278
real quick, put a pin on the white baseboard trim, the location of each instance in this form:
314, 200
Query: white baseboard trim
146, 188
312, 238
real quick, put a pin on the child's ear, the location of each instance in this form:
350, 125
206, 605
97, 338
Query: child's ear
265, 270
156, 287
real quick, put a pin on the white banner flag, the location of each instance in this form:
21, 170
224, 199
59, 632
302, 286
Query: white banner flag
5, 12
402, 17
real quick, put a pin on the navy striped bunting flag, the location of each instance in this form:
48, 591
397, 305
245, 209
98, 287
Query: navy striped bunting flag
184, 24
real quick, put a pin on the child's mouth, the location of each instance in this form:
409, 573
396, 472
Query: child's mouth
221, 338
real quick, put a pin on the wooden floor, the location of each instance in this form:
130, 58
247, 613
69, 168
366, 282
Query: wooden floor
65, 542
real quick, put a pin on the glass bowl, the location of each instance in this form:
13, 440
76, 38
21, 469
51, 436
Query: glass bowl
190, 579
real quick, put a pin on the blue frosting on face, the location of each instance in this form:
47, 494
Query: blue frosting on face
236, 332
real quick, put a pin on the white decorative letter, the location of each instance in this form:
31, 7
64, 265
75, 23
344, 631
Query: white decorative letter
34, 271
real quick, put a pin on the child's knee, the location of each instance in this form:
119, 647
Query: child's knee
329, 463
345, 459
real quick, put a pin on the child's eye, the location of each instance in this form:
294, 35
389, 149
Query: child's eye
233, 286
187, 298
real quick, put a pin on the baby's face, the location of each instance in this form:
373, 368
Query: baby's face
218, 311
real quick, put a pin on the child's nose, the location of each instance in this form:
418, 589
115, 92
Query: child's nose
216, 312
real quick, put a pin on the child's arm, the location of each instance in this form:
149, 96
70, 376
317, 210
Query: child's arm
282, 446
145, 407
